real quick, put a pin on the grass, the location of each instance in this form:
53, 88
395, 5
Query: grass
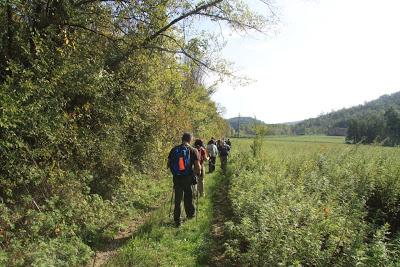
308, 201
158, 243
298, 138
308, 138
304, 201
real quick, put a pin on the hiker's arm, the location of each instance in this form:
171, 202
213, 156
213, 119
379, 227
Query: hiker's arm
197, 168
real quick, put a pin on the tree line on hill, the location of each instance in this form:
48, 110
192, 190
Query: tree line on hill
376, 129
92, 95
337, 122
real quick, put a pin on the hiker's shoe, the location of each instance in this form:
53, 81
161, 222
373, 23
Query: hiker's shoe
177, 224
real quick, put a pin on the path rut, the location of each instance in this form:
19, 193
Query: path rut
222, 212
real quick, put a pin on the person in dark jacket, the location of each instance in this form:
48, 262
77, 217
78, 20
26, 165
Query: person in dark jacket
183, 181
228, 142
224, 151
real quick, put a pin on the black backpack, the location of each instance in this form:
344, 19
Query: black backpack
224, 151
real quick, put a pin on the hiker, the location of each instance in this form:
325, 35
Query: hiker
219, 144
199, 145
183, 161
228, 142
223, 154
212, 141
212, 153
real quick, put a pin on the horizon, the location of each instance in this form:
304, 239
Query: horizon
313, 63
298, 121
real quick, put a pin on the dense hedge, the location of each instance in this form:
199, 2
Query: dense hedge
84, 125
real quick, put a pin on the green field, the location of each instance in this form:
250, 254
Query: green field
311, 201
299, 138
303, 201
308, 138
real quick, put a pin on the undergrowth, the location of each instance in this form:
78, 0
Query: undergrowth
315, 205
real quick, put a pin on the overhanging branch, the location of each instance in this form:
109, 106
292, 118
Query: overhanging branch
178, 19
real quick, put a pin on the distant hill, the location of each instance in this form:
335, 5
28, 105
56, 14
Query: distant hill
246, 124
337, 122
333, 123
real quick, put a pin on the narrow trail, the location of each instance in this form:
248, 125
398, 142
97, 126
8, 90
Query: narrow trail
108, 249
222, 212
153, 241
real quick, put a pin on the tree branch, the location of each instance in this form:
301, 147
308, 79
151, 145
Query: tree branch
93, 31
183, 16
184, 52
219, 17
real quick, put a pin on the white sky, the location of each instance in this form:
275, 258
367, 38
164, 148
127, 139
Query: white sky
328, 54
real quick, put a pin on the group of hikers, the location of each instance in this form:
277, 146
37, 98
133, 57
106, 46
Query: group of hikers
186, 163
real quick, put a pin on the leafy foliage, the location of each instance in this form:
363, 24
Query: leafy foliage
246, 125
92, 94
258, 140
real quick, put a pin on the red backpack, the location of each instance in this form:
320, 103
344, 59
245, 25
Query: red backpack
203, 154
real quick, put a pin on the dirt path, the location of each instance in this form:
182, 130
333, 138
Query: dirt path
109, 249
222, 212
